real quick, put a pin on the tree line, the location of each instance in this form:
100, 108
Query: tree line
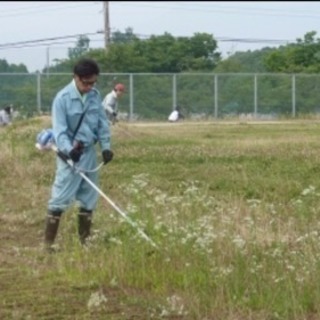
168, 54
199, 53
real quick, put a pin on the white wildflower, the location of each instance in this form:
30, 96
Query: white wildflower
96, 300
309, 190
113, 282
239, 242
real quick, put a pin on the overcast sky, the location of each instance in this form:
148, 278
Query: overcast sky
236, 25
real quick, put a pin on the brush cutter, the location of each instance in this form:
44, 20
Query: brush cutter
45, 141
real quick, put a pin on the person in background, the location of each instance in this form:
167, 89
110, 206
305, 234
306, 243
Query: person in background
175, 115
76, 140
110, 102
6, 115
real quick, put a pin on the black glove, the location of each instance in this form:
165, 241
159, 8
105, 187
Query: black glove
75, 154
107, 156
114, 117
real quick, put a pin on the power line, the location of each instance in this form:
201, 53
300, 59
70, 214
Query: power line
49, 41
21, 44
250, 40
107, 38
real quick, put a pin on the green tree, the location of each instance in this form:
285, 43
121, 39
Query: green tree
124, 58
302, 56
169, 54
247, 61
203, 52
164, 53
82, 46
6, 67
127, 37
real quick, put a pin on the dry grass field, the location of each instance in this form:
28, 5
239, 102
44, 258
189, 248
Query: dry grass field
234, 207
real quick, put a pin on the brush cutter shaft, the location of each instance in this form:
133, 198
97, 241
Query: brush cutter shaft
124, 215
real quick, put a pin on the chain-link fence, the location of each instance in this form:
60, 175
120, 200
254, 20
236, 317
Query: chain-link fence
200, 95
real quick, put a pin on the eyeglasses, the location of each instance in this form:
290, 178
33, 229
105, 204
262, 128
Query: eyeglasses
88, 83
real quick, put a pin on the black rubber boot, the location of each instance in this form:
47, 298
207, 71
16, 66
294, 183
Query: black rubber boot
84, 224
51, 229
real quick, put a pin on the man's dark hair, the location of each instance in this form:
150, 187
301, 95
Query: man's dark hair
86, 67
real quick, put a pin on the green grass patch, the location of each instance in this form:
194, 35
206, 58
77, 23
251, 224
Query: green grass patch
233, 208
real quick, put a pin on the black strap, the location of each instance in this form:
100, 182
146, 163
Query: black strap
79, 124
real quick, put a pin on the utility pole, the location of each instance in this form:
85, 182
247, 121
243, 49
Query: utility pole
106, 24
48, 61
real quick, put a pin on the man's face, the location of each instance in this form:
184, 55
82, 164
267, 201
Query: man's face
119, 93
85, 84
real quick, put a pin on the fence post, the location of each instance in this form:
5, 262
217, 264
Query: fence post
216, 96
255, 96
39, 92
293, 81
174, 91
131, 96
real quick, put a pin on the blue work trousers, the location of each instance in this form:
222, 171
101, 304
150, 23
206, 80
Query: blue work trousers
69, 186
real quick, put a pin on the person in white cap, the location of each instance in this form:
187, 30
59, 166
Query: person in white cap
110, 102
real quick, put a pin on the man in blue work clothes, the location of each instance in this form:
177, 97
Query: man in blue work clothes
78, 123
